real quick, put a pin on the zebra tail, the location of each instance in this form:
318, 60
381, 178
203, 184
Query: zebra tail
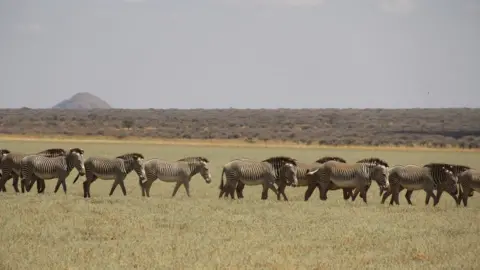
221, 181
76, 178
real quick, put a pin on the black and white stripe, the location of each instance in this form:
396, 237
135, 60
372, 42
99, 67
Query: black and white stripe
37, 168
112, 169
249, 172
179, 172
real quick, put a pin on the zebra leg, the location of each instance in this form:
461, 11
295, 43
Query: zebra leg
439, 194
239, 189
265, 191
310, 190
429, 194
281, 191
175, 189
40, 185
465, 195
15, 183
32, 181
3, 181
147, 187
271, 185
408, 196
323, 190
186, 185
385, 195
115, 184
122, 186
61, 180
347, 193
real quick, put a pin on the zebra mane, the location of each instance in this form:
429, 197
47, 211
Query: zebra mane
194, 159
453, 168
281, 159
131, 156
325, 159
374, 160
53, 152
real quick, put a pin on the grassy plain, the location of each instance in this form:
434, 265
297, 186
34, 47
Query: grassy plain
57, 231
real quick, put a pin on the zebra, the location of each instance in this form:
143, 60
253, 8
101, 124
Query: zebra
115, 169
36, 167
313, 182
428, 178
357, 175
455, 169
240, 184
11, 167
3, 153
251, 173
180, 171
469, 181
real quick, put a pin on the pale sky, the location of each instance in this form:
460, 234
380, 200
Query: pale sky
241, 53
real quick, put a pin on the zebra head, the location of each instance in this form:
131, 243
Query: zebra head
286, 166
134, 161
3, 153
378, 172
199, 165
290, 172
139, 165
75, 155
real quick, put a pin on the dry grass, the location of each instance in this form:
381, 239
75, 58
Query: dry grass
230, 143
57, 231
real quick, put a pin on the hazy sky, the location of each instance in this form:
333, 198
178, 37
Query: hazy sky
241, 53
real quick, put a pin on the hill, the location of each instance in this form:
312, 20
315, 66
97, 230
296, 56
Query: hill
83, 101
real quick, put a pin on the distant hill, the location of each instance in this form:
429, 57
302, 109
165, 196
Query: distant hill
84, 101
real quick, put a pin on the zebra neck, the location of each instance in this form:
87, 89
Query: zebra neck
194, 169
128, 165
70, 164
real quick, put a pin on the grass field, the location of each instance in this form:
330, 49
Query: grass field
57, 231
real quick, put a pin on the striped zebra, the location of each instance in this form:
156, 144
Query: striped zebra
240, 185
357, 175
179, 172
303, 180
263, 173
35, 167
469, 180
428, 178
313, 182
455, 169
115, 169
11, 167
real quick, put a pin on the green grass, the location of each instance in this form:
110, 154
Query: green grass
57, 231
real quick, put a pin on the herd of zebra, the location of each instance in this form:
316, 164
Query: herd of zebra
275, 173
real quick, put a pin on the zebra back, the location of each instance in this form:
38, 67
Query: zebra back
52, 152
